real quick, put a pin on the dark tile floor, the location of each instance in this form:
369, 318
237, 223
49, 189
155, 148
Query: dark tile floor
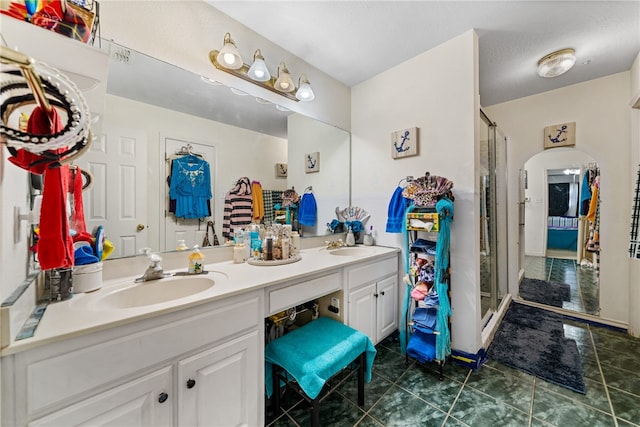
405, 394
583, 281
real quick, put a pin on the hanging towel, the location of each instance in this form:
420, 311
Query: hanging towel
308, 210
585, 194
55, 246
258, 201
634, 237
77, 214
397, 206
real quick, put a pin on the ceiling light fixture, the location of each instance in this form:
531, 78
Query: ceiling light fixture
556, 63
228, 59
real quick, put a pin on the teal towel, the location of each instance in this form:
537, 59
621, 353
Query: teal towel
315, 352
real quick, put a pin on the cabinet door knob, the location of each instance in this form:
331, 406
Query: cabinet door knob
163, 397
191, 383
382, 293
375, 295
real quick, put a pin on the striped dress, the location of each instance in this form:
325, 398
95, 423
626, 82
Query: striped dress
238, 211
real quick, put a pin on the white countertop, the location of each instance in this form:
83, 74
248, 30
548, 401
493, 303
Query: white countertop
82, 314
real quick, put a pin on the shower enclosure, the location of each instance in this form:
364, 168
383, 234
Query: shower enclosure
493, 217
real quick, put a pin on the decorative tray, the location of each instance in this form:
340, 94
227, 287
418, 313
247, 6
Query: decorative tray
291, 259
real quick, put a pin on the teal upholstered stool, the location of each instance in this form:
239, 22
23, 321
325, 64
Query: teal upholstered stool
311, 355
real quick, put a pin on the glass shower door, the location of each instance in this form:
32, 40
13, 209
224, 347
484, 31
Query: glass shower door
493, 217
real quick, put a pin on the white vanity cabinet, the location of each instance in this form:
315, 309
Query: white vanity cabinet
139, 373
141, 402
372, 297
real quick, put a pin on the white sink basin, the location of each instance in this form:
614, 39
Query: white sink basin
351, 251
155, 292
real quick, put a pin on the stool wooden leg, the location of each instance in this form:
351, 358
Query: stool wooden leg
361, 370
315, 412
276, 390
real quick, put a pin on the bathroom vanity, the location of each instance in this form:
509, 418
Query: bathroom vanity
191, 358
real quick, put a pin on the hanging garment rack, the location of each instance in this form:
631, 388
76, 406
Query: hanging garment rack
10, 56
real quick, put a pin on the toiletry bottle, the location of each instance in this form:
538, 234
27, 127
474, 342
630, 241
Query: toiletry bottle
286, 246
267, 246
294, 247
196, 261
368, 238
351, 239
239, 253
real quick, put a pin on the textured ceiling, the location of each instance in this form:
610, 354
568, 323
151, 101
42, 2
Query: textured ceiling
353, 41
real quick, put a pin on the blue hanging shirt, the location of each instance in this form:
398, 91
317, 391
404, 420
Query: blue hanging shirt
190, 187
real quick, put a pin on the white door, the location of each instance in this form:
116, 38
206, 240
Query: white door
387, 307
145, 401
116, 200
190, 230
221, 386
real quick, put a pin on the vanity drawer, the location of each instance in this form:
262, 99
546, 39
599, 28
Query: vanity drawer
367, 273
299, 293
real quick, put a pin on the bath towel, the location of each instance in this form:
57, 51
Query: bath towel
308, 210
303, 353
55, 246
397, 206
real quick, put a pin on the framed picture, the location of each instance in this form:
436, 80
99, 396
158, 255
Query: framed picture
312, 162
281, 170
404, 143
562, 135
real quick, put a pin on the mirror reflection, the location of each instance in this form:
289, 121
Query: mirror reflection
562, 230
156, 113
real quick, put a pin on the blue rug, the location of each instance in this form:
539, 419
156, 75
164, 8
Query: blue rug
532, 340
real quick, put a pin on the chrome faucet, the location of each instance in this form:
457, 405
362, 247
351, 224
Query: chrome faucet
154, 270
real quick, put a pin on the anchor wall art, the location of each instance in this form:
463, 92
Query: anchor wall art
312, 162
562, 135
404, 143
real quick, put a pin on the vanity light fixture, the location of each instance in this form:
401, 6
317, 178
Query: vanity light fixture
259, 71
228, 59
304, 93
556, 63
284, 83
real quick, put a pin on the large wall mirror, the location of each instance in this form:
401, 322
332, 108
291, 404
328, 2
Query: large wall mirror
154, 111
560, 221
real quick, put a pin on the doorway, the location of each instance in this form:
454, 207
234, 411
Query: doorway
559, 235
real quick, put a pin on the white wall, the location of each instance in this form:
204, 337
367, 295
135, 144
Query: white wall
330, 189
184, 32
236, 150
536, 205
600, 109
437, 92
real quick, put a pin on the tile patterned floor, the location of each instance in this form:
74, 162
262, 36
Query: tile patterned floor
583, 282
406, 394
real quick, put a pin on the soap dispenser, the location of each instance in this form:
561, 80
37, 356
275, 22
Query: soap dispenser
368, 238
351, 239
196, 261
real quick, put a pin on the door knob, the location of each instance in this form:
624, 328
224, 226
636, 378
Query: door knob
140, 227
